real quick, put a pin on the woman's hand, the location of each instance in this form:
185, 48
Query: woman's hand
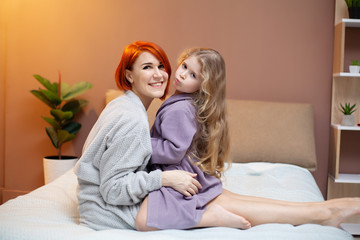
182, 181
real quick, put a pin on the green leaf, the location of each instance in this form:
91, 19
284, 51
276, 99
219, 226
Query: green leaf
65, 88
77, 89
52, 97
351, 109
347, 109
52, 122
73, 106
51, 132
72, 127
348, 3
46, 83
64, 136
82, 102
43, 98
60, 115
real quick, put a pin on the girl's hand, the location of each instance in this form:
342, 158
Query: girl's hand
182, 181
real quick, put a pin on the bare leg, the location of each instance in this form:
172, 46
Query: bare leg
262, 210
217, 216
259, 210
142, 216
214, 216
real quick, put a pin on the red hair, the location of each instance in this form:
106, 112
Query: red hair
131, 53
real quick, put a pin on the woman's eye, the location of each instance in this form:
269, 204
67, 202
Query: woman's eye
146, 67
161, 66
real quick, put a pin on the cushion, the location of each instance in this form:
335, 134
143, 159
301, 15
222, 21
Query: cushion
262, 131
272, 132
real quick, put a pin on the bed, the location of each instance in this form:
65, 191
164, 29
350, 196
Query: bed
273, 152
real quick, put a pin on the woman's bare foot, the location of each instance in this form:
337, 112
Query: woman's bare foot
340, 209
217, 216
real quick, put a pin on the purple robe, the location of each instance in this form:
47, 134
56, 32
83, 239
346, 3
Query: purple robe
171, 137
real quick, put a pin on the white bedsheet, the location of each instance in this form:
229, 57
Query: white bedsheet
50, 212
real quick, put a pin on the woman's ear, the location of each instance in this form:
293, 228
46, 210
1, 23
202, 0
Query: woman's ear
128, 75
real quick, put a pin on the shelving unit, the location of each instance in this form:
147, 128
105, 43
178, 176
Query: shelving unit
351, 22
342, 53
345, 89
346, 74
344, 161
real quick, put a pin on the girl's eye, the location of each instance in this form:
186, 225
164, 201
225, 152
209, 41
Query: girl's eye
193, 75
184, 66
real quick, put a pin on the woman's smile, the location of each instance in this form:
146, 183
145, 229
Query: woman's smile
157, 84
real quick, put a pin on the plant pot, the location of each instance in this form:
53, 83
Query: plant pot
55, 167
347, 120
354, 69
354, 12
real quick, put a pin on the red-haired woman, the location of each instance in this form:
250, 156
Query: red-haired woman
112, 175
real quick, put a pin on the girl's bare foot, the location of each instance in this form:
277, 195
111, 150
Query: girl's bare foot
340, 209
220, 217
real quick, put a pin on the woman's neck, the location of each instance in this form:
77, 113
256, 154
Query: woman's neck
147, 103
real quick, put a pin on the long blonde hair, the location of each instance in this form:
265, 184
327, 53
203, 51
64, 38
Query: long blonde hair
211, 144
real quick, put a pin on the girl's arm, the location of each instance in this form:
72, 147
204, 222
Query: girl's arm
177, 129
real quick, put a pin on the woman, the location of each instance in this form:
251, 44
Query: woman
112, 175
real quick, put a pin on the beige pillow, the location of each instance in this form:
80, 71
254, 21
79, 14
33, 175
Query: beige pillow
272, 132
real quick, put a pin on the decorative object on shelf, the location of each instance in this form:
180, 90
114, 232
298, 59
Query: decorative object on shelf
347, 118
60, 97
354, 67
354, 8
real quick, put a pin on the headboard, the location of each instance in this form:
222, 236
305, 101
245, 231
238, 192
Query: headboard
272, 132
263, 131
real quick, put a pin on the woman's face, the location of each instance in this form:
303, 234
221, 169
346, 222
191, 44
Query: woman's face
148, 78
187, 76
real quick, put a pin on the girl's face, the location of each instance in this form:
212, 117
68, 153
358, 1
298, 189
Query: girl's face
148, 78
187, 76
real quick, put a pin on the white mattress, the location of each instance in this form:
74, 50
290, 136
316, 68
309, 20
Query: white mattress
50, 212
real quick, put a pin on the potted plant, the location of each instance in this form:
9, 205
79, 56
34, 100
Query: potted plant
354, 67
354, 8
60, 97
347, 118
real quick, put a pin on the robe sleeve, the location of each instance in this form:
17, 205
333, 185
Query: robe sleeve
178, 127
123, 179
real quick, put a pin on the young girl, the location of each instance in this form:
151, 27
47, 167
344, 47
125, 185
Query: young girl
191, 133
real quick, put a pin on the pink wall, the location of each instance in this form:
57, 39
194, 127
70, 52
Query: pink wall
2, 97
276, 50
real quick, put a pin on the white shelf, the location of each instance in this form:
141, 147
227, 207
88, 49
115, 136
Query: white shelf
348, 128
347, 74
347, 178
351, 22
